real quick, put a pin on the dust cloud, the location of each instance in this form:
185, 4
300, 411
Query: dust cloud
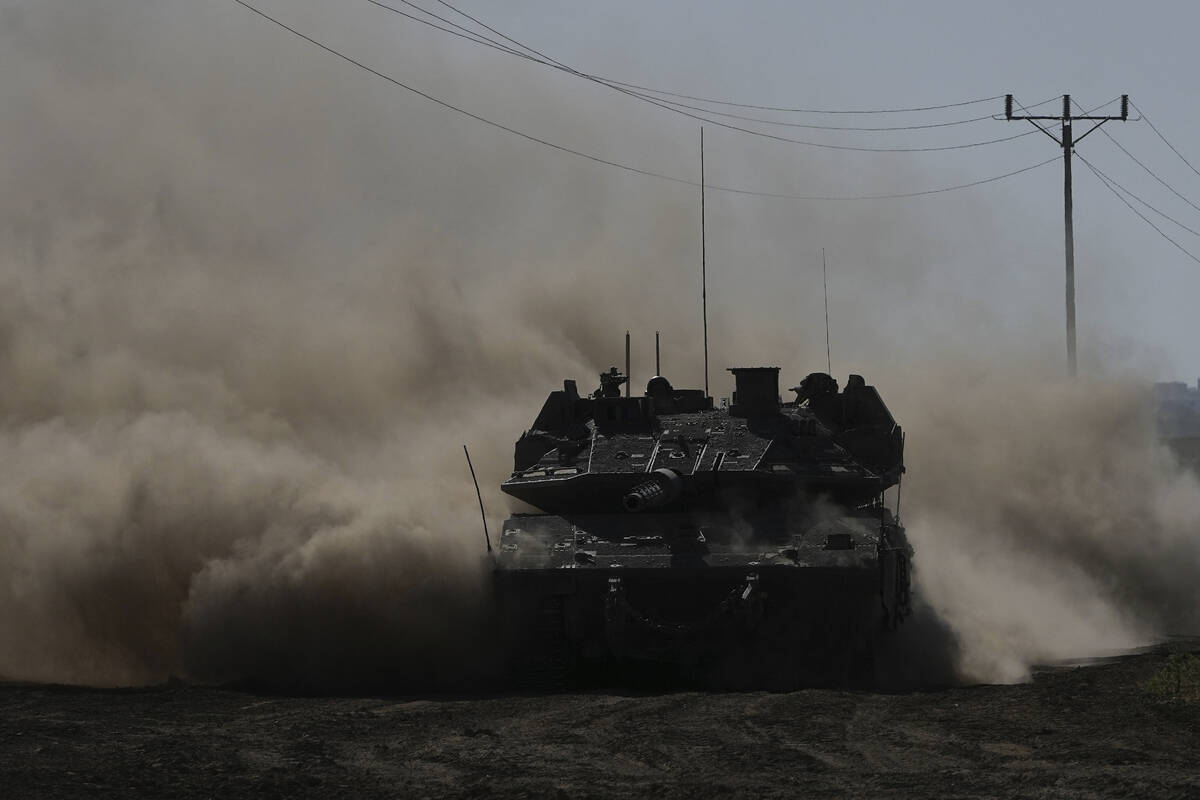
1049, 523
252, 304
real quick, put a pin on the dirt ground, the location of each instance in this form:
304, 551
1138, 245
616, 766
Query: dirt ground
1072, 733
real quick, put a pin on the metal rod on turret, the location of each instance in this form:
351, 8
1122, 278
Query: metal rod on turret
825, 283
479, 494
703, 264
657, 362
627, 380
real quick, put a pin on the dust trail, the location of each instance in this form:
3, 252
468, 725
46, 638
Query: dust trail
1047, 519
242, 339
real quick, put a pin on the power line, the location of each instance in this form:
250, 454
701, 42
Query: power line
727, 103
1149, 171
881, 128
617, 164
1162, 214
487, 27
1145, 219
452, 107
544, 58
1168, 144
807, 143
794, 110
681, 110
940, 190
461, 32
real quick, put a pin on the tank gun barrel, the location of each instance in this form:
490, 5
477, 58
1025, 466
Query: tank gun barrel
663, 487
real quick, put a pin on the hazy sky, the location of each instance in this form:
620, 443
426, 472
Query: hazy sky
1132, 283
998, 247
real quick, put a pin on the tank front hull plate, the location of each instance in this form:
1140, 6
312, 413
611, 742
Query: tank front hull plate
722, 627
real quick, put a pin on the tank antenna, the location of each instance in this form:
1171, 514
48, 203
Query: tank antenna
657, 362
703, 264
825, 281
627, 376
479, 494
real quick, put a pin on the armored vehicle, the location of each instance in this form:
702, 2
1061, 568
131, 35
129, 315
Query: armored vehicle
739, 546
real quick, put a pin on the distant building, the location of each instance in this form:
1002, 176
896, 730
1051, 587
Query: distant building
1177, 410
1177, 415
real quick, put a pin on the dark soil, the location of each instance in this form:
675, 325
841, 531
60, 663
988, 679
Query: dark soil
1072, 733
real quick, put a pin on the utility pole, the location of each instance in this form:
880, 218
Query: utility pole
1067, 142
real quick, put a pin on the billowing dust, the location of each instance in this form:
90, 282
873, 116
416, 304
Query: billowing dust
1048, 521
251, 307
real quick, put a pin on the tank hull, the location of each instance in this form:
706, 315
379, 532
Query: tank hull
778, 613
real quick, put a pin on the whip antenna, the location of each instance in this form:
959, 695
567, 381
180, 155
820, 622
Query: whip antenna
825, 281
628, 377
478, 494
703, 265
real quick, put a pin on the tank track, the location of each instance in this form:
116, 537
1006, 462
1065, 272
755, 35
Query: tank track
543, 662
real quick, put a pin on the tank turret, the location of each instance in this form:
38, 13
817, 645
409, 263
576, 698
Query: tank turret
590, 454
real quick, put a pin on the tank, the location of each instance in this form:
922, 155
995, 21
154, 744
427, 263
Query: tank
743, 545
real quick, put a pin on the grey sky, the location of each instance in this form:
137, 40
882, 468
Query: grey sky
1003, 241
1135, 289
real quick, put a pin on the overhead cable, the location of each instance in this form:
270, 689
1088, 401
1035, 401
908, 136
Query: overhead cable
487, 27
1149, 171
617, 164
728, 103
897, 196
1145, 219
554, 62
811, 126
1161, 213
681, 109
458, 30
795, 110
1168, 144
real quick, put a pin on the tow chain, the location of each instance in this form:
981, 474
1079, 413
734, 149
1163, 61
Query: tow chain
744, 602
